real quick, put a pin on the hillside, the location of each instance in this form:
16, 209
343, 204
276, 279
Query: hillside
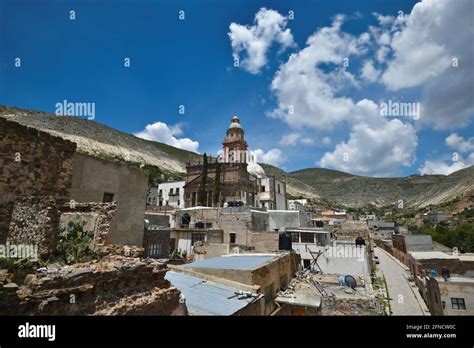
353, 190
317, 183
103, 141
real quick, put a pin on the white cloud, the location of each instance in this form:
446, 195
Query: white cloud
255, 40
306, 94
163, 133
440, 167
274, 156
369, 73
457, 143
289, 139
370, 150
294, 138
326, 140
383, 20
435, 33
460, 144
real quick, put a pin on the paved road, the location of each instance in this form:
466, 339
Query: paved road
398, 285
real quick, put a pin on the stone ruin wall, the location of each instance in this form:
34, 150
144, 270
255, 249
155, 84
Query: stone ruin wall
114, 285
32, 163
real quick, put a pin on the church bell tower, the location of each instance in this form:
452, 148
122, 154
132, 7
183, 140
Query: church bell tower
234, 145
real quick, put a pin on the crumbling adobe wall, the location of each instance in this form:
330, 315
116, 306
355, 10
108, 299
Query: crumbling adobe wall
115, 285
34, 221
102, 215
32, 163
5, 217
333, 306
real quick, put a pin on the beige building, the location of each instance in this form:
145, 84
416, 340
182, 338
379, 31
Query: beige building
450, 296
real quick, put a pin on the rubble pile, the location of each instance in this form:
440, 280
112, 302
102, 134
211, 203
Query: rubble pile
113, 285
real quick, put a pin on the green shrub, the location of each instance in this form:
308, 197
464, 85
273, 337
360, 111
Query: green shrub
74, 244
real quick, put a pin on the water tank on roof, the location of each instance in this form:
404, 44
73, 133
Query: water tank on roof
360, 241
445, 273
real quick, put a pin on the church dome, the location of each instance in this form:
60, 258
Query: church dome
256, 169
235, 123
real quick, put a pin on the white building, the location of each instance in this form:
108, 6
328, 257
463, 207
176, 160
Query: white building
167, 194
307, 241
297, 204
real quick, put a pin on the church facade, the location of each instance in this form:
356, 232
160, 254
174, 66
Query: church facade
240, 177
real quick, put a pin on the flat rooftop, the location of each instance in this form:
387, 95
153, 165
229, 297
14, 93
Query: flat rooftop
426, 255
207, 298
236, 262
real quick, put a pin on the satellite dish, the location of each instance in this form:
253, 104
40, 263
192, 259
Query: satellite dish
350, 281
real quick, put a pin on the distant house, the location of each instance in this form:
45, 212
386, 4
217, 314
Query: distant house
167, 194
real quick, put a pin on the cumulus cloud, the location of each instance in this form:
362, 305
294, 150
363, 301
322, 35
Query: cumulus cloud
383, 20
306, 93
274, 156
459, 161
269, 27
444, 168
163, 133
435, 37
369, 72
370, 150
460, 144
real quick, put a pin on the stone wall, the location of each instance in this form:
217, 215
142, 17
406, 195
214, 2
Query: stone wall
32, 163
334, 306
115, 285
34, 221
99, 218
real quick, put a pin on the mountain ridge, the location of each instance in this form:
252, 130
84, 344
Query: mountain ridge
324, 184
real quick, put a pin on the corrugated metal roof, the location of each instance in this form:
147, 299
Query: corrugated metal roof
239, 262
206, 298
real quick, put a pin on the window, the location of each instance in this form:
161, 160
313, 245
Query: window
154, 249
160, 193
232, 238
278, 186
307, 237
171, 191
269, 294
295, 237
177, 190
458, 303
108, 197
262, 189
197, 237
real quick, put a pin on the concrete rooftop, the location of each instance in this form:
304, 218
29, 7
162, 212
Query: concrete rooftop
236, 262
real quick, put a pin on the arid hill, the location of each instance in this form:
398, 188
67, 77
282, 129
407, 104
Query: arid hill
329, 185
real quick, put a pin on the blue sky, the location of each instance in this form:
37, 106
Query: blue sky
190, 62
